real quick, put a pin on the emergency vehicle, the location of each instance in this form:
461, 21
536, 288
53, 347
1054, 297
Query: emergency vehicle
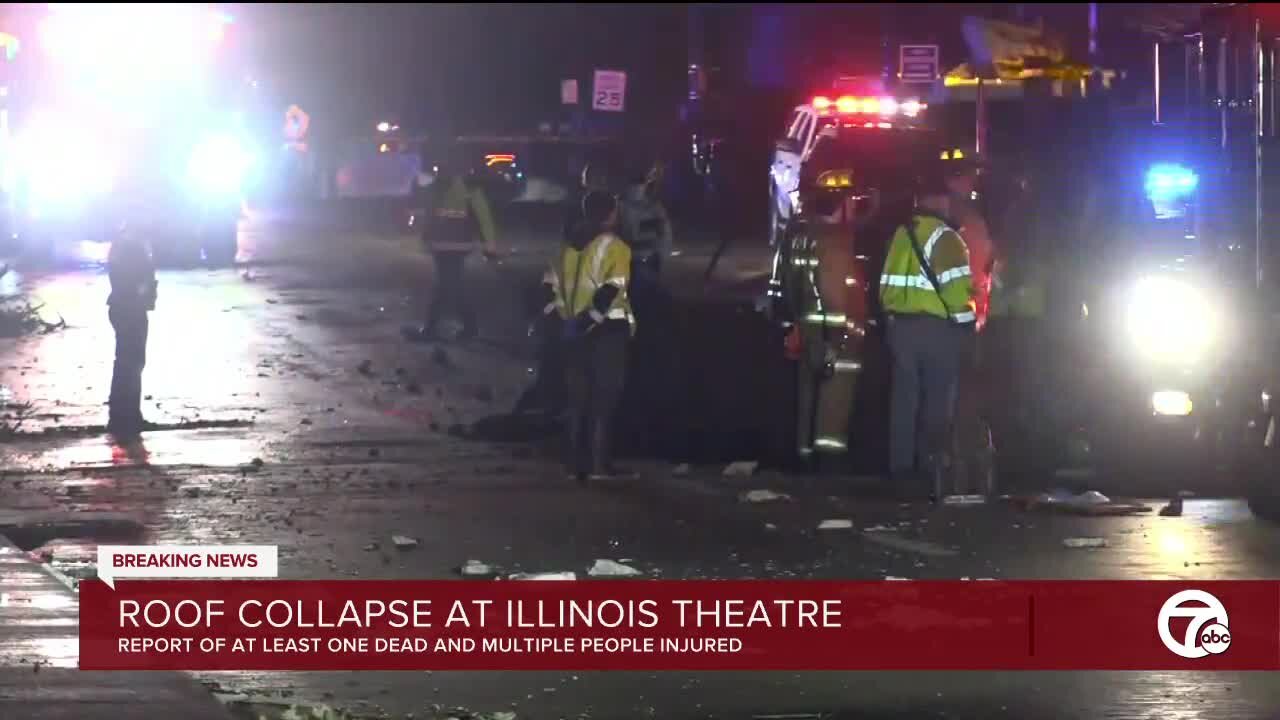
119, 113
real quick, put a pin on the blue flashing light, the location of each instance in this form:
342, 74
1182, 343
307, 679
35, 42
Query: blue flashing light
1169, 181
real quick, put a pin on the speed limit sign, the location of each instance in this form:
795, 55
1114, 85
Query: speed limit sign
609, 92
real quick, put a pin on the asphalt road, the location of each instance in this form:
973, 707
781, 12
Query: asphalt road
296, 358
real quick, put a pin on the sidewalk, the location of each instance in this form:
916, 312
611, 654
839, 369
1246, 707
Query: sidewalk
39, 651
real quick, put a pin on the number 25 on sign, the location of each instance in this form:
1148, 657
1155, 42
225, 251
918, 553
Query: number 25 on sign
609, 91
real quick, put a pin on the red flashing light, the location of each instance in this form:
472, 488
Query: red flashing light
821, 103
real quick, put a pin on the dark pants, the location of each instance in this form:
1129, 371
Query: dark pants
649, 395
126, 375
449, 294
595, 371
928, 353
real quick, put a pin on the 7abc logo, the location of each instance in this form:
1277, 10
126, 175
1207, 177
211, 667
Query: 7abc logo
1207, 632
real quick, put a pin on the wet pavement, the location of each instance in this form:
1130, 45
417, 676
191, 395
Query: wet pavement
296, 360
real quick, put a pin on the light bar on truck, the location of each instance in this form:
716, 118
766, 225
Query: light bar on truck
882, 106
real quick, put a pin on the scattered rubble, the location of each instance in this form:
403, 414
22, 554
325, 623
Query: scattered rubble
964, 500
1173, 509
612, 568
836, 524
404, 543
475, 568
1085, 542
741, 468
544, 576
762, 496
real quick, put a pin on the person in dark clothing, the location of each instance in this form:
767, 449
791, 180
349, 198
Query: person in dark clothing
459, 223
587, 286
133, 295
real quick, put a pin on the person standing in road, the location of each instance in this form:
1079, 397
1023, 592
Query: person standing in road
132, 275
459, 223
926, 292
645, 226
588, 285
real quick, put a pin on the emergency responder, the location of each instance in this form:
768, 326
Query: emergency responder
547, 394
459, 211
926, 293
132, 275
973, 452
589, 282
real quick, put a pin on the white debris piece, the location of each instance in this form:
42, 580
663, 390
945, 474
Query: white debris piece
762, 496
473, 568
770, 526
611, 568
742, 468
836, 524
880, 528
964, 500
1085, 542
894, 577
681, 470
544, 576
404, 543
503, 715
1091, 497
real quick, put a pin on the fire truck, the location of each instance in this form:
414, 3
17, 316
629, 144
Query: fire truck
124, 114
1150, 355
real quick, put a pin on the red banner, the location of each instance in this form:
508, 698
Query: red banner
679, 625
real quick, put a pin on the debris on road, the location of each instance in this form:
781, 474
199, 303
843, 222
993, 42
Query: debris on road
836, 524
612, 568
404, 543
741, 468
1092, 503
1173, 509
895, 577
371, 547
964, 500
1085, 542
475, 568
762, 496
365, 367
544, 576
681, 470
879, 528
441, 358
920, 547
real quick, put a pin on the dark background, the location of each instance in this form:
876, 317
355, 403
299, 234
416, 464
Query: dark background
497, 67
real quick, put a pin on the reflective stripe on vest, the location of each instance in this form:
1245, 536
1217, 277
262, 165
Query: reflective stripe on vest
920, 281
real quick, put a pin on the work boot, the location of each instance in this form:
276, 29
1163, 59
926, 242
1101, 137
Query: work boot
602, 467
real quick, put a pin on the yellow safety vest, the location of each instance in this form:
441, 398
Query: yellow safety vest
577, 274
905, 289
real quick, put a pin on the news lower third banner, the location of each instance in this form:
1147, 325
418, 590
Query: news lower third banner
254, 624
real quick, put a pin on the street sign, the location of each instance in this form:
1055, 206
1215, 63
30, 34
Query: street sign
609, 92
568, 92
918, 63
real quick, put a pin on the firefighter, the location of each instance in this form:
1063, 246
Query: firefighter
926, 293
589, 282
132, 275
459, 223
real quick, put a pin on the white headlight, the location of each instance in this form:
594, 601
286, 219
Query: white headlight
1171, 320
219, 164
